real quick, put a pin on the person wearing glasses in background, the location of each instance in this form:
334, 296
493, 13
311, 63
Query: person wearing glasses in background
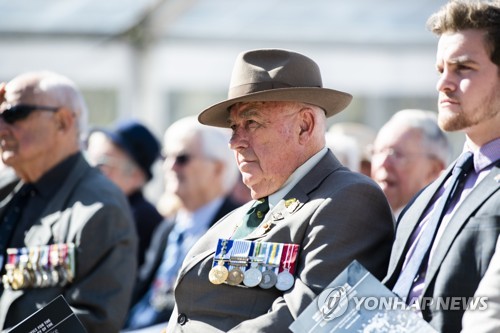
66, 229
409, 152
200, 172
126, 155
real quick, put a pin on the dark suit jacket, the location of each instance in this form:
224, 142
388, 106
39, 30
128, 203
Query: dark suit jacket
464, 251
91, 212
146, 219
340, 216
486, 320
155, 252
8, 181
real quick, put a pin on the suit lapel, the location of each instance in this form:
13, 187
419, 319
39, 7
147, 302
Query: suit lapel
410, 221
225, 227
43, 232
478, 195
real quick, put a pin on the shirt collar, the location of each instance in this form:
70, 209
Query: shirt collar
201, 218
51, 181
488, 154
294, 178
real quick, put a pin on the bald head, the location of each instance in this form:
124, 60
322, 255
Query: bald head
49, 89
43, 120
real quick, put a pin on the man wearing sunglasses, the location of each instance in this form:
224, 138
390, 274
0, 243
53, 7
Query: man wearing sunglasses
65, 229
200, 172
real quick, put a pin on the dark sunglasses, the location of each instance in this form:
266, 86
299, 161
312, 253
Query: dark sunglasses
181, 159
12, 113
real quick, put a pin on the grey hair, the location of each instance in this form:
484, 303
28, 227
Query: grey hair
65, 93
434, 139
213, 143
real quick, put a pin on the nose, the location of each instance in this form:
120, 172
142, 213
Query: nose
382, 159
445, 82
238, 139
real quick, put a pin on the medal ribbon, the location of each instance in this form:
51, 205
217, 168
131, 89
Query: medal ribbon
288, 259
275, 257
239, 253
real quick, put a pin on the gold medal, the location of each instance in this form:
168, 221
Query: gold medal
218, 274
8, 277
17, 278
235, 276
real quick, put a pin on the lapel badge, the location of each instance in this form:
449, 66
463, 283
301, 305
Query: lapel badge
291, 205
278, 216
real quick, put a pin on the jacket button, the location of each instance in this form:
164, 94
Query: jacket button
182, 319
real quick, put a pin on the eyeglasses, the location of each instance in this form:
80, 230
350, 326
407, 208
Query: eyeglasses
12, 113
395, 155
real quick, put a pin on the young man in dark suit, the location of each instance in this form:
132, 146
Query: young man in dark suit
444, 244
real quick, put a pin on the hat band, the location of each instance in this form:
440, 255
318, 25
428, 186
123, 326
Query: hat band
250, 88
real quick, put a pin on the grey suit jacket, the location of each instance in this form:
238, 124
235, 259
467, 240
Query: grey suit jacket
91, 212
463, 252
486, 320
342, 216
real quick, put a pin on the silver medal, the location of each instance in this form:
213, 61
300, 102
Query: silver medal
268, 279
252, 277
284, 281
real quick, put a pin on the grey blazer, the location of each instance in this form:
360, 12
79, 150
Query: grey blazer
341, 216
486, 320
91, 212
464, 251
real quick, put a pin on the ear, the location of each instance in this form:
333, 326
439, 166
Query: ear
306, 124
65, 119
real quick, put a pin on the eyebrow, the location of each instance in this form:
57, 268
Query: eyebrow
248, 113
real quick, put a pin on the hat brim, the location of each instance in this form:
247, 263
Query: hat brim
332, 101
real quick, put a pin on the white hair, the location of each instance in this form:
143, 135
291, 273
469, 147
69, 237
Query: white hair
433, 138
213, 144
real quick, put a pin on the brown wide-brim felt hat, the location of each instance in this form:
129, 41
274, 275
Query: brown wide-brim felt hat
267, 75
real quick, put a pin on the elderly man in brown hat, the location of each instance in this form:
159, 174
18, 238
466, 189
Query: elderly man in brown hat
261, 265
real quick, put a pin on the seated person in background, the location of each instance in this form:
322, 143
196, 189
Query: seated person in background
126, 155
65, 218
199, 175
409, 152
346, 150
363, 135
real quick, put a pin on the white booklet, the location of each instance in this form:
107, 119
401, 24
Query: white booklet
356, 301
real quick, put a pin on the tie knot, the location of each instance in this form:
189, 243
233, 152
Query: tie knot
464, 163
262, 207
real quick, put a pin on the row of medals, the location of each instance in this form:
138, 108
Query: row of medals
39, 267
251, 277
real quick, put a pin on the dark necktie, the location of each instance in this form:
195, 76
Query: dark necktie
252, 219
10, 218
405, 281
